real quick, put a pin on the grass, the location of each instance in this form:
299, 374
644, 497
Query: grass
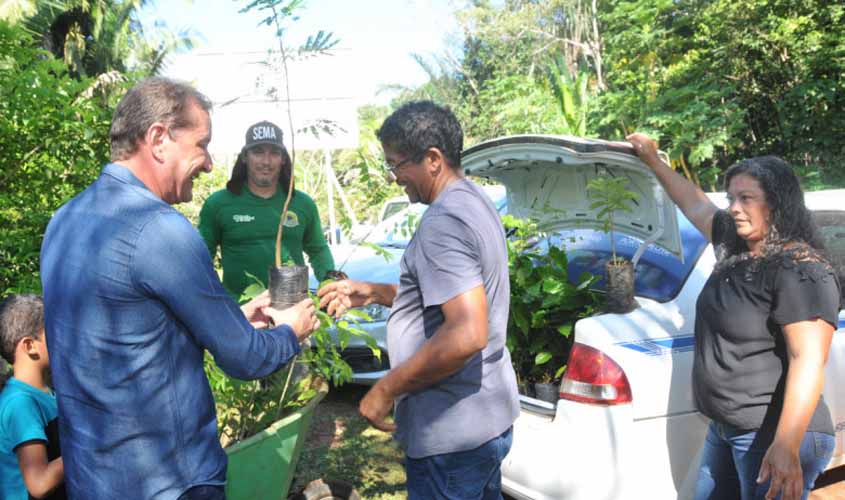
341, 445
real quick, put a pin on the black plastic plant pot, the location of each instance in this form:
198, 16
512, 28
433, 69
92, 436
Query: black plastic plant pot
525, 388
546, 392
288, 286
620, 287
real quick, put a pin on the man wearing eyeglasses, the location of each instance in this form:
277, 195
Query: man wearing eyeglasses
452, 386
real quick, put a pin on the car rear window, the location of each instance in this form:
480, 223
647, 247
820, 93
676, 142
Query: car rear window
659, 275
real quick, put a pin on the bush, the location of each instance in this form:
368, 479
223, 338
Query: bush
245, 408
544, 304
53, 143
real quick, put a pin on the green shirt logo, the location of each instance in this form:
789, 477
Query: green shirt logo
292, 220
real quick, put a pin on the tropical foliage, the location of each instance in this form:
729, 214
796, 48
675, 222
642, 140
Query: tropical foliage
545, 303
719, 81
63, 64
245, 407
716, 81
609, 195
96, 37
53, 142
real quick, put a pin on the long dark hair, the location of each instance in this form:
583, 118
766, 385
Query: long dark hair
791, 221
239, 173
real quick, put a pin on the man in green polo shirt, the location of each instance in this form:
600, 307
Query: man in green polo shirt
243, 218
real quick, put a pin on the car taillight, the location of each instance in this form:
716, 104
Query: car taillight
593, 377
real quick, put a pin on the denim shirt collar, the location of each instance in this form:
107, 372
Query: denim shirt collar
124, 175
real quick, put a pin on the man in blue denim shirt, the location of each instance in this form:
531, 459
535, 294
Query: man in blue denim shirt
131, 304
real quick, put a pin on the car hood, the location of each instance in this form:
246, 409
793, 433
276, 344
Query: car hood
362, 263
546, 179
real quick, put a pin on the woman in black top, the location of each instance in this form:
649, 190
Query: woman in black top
764, 324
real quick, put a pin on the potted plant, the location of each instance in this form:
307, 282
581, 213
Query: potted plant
263, 423
544, 306
263, 464
287, 282
609, 195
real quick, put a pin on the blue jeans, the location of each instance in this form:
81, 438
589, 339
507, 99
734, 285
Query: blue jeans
204, 492
464, 475
731, 458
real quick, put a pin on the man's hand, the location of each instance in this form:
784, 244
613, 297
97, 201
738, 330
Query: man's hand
339, 296
254, 310
302, 318
376, 406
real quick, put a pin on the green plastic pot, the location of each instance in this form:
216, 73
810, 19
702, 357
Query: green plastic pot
262, 466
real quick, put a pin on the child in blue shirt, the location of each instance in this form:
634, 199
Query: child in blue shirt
30, 462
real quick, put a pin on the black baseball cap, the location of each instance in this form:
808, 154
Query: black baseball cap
263, 132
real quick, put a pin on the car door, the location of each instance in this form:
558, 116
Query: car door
831, 224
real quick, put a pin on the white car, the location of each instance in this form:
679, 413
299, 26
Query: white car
364, 231
625, 426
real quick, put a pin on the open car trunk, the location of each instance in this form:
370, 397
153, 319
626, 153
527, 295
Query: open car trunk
546, 179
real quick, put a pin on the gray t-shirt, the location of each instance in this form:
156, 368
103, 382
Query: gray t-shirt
459, 245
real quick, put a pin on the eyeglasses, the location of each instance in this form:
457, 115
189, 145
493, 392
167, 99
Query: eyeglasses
393, 168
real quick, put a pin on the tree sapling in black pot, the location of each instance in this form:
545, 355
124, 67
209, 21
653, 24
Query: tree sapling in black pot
609, 194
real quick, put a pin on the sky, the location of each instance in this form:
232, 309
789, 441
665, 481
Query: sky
376, 41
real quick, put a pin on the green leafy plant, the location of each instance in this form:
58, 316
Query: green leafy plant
406, 226
609, 195
544, 303
572, 96
54, 142
324, 357
247, 407
244, 407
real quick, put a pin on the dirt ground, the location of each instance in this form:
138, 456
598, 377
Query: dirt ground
342, 446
